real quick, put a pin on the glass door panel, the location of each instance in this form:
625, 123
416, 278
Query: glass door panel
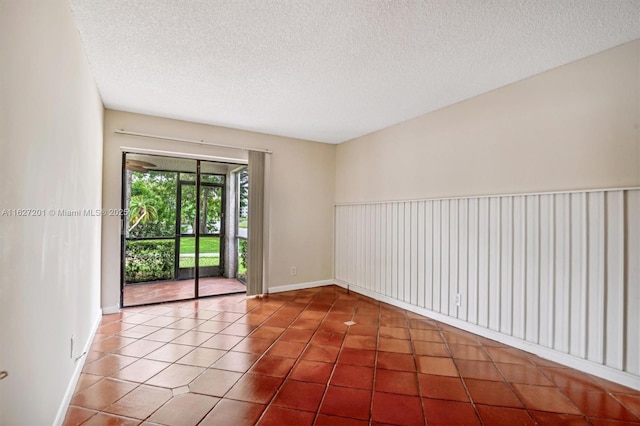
187, 209
149, 232
211, 210
211, 253
186, 228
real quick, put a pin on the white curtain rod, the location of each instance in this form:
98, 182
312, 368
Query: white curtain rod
199, 142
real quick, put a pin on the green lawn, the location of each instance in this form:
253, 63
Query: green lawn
207, 245
190, 262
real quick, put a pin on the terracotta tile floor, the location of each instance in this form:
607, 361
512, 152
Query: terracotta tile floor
145, 293
289, 359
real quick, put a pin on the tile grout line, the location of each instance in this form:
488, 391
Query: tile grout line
170, 364
229, 350
298, 359
555, 385
190, 309
375, 365
335, 364
415, 363
139, 384
464, 384
205, 369
513, 390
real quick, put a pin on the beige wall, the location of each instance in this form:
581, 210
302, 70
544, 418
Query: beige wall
302, 193
574, 127
51, 158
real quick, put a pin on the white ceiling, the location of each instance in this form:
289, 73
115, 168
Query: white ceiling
331, 70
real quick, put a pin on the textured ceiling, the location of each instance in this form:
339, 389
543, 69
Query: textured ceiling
331, 70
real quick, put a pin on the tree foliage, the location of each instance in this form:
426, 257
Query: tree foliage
152, 206
153, 200
210, 209
141, 211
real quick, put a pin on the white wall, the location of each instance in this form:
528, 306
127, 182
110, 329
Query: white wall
574, 127
302, 193
51, 158
553, 274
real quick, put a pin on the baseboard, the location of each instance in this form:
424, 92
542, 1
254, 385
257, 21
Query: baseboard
62, 410
110, 310
568, 360
300, 286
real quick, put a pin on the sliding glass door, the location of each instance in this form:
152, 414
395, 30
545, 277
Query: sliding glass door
174, 233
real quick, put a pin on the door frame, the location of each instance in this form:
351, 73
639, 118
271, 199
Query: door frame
198, 159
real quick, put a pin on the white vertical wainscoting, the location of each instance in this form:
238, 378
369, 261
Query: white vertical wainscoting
557, 274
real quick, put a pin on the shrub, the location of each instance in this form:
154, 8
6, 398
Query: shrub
149, 260
242, 259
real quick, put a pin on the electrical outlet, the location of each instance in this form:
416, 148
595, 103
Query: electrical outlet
294, 270
73, 337
458, 299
